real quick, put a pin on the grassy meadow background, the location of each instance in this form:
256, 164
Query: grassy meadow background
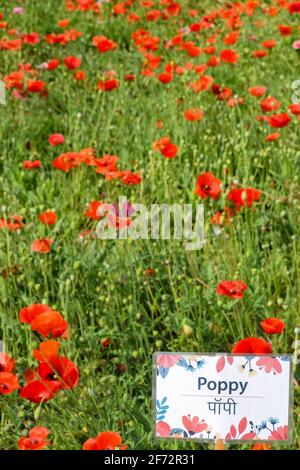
100, 287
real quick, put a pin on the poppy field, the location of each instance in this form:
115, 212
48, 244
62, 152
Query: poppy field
161, 102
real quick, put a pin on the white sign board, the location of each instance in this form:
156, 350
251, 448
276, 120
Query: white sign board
225, 396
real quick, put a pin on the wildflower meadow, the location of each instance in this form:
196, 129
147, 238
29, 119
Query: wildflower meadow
185, 111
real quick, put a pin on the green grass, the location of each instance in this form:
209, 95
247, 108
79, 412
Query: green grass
100, 286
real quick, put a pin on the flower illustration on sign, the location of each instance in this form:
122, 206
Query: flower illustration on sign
238, 433
265, 430
221, 362
194, 425
165, 361
280, 434
162, 429
269, 364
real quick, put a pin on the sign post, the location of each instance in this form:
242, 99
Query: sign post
223, 397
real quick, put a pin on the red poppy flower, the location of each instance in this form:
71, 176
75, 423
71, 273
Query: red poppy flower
160, 143
39, 391
149, 272
244, 196
105, 343
272, 137
120, 9
60, 371
50, 322
209, 50
193, 114
43, 245
260, 54
14, 223
28, 314
31, 38
130, 178
108, 85
192, 50
200, 68
232, 289
63, 23
72, 62
165, 77
252, 346
285, 30
223, 216
294, 7
169, 150
66, 161
35, 86
29, 165
129, 77
12, 45
48, 218
235, 102
229, 56
8, 383
224, 94
118, 222
269, 104
279, 120
48, 350
52, 64
133, 18
231, 38
92, 211
208, 186
7, 364
106, 164
295, 108
202, 84
79, 75
269, 44
56, 139
107, 440
273, 326
261, 447
103, 44
257, 91
36, 439
153, 15
213, 61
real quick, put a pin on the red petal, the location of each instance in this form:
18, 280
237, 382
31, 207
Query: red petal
242, 425
220, 364
233, 431
248, 436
